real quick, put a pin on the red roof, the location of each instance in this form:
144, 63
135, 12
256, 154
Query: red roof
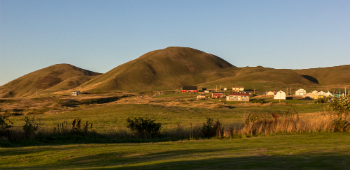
239, 94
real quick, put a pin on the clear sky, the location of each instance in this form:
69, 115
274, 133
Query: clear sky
100, 35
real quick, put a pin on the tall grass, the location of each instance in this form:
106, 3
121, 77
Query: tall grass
307, 123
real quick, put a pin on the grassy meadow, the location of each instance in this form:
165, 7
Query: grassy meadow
294, 151
306, 143
113, 116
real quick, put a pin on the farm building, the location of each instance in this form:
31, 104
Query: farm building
280, 95
322, 93
319, 96
237, 88
309, 95
217, 95
337, 95
189, 89
314, 92
328, 94
270, 93
238, 97
75, 93
201, 96
300, 92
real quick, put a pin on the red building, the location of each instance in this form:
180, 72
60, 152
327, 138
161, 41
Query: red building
217, 95
186, 89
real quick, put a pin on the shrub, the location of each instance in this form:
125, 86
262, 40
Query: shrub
322, 100
144, 127
253, 95
30, 126
340, 106
211, 129
340, 125
257, 101
5, 124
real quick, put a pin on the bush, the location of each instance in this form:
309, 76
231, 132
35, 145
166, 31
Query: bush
341, 106
257, 101
30, 127
211, 129
340, 125
322, 100
5, 124
144, 127
253, 95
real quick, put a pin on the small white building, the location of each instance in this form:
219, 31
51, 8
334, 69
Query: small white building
328, 94
300, 92
314, 92
321, 93
238, 97
75, 93
310, 95
237, 88
280, 95
270, 93
201, 96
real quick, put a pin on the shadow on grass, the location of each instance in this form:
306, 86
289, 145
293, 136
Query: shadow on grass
199, 159
50, 140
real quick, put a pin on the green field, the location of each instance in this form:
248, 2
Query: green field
112, 117
297, 151
109, 149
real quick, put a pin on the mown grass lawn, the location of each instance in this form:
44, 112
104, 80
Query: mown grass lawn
297, 151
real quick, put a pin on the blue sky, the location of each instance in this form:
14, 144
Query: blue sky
100, 35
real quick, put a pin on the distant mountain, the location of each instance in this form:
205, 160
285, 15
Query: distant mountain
168, 68
63, 76
328, 75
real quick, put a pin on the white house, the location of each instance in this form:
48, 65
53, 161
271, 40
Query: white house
238, 97
310, 95
328, 94
201, 96
321, 93
237, 88
75, 93
270, 93
314, 92
300, 92
280, 95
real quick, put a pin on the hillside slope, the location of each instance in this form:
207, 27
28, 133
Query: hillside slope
167, 68
328, 75
46, 78
261, 78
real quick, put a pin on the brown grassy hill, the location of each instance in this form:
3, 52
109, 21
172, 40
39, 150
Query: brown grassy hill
46, 78
261, 78
328, 75
167, 68
70, 83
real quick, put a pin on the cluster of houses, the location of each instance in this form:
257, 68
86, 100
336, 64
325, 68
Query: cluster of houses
281, 95
237, 94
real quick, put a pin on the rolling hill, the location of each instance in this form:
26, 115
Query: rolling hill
167, 68
261, 78
327, 75
55, 77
